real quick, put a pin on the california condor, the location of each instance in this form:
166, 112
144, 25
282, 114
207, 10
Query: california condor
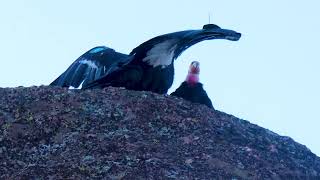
191, 89
148, 67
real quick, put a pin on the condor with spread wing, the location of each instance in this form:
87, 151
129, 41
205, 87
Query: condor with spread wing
149, 67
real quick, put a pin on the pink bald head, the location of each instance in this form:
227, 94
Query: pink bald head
193, 74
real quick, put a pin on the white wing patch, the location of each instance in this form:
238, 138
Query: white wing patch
89, 63
161, 54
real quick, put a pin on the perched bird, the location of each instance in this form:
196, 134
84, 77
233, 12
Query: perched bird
191, 89
148, 67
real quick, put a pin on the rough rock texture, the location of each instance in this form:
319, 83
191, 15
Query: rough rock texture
55, 133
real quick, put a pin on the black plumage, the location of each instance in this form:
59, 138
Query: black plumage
193, 93
91, 66
148, 67
191, 89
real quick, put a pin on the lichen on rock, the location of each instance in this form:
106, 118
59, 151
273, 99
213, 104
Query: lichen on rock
114, 133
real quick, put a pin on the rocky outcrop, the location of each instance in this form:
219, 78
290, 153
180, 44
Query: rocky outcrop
56, 133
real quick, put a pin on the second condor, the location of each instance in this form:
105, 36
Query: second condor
191, 89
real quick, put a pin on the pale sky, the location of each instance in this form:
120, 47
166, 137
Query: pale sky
269, 77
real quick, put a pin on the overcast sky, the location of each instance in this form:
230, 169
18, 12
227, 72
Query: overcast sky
270, 77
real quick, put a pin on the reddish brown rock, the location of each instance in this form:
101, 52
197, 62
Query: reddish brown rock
55, 133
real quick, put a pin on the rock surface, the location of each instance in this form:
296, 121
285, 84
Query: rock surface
56, 133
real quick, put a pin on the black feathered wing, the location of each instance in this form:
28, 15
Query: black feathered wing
92, 65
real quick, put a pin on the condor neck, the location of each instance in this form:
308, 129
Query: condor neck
192, 79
